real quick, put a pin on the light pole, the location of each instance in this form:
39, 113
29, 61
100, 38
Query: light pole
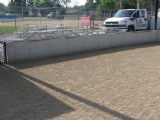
138, 4
22, 8
120, 4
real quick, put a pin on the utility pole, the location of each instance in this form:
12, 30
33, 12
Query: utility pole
22, 8
120, 4
156, 9
138, 4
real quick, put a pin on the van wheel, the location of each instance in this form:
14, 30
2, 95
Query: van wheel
130, 29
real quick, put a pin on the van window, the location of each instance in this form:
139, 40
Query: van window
142, 14
124, 13
136, 14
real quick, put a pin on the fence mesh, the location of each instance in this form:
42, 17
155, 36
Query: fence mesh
70, 17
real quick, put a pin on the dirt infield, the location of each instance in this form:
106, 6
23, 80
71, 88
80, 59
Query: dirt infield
112, 84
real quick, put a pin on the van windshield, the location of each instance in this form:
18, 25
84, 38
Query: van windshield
124, 13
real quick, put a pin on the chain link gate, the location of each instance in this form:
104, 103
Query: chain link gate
92, 23
3, 52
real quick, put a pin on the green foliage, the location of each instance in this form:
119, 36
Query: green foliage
63, 11
115, 4
129, 5
17, 3
49, 3
29, 3
79, 7
65, 2
43, 3
90, 5
2, 7
107, 4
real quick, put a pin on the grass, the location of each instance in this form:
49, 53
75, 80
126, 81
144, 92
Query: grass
72, 27
13, 20
7, 29
36, 19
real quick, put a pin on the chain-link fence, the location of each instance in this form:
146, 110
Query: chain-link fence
50, 16
70, 17
44, 15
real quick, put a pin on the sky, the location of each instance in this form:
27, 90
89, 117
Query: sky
4, 2
73, 2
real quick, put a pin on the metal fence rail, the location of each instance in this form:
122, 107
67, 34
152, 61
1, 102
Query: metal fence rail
49, 31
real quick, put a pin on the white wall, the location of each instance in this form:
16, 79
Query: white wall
105, 41
117, 39
91, 42
10, 47
158, 36
30, 50
152, 23
128, 39
58, 47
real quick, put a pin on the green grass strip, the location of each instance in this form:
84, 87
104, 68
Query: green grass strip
7, 29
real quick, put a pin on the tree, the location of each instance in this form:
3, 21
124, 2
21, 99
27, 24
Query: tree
115, 4
90, 5
18, 3
50, 3
65, 2
29, 3
107, 4
129, 5
79, 7
43, 3
3, 7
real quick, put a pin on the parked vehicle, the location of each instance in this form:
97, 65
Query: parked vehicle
54, 15
39, 15
130, 20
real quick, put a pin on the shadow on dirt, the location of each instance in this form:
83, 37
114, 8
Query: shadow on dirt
20, 99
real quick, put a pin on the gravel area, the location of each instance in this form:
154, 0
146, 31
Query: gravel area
10, 37
113, 84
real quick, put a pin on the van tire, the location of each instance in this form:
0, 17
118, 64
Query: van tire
130, 28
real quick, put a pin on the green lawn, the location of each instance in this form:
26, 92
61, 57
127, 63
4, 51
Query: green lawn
13, 20
7, 29
37, 19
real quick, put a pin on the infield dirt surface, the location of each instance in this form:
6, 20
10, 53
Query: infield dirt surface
113, 84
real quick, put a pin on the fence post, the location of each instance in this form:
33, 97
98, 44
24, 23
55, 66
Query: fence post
93, 20
5, 53
104, 14
15, 25
60, 14
156, 9
78, 20
27, 31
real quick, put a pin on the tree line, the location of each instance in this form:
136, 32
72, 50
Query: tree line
99, 5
